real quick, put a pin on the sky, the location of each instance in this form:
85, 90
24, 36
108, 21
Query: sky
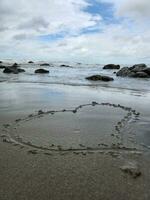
88, 31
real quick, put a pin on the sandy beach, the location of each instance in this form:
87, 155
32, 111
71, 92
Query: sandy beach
66, 141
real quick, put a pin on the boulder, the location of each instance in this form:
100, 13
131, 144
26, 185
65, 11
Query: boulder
136, 71
13, 70
44, 64
99, 78
147, 70
111, 66
41, 71
20, 70
125, 71
141, 75
138, 67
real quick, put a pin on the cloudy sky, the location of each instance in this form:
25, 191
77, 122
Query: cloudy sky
91, 31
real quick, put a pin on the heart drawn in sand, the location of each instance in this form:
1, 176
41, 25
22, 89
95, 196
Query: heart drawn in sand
91, 126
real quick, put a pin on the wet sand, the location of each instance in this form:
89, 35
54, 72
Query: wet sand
96, 162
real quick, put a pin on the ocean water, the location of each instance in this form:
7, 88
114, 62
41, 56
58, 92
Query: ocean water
75, 76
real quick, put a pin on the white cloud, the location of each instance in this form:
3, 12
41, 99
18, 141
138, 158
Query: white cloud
22, 21
136, 9
45, 17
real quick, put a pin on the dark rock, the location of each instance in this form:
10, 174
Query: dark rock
13, 70
147, 70
141, 75
9, 70
123, 72
2, 67
138, 67
30, 62
45, 64
99, 78
136, 71
15, 65
65, 66
132, 169
20, 70
111, 66
1, 61
41, 71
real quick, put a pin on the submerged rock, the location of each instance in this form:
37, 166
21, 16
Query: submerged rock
111, 66
99, 78
136, 71
44, 64
41, 71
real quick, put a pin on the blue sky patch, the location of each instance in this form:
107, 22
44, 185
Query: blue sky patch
51, 37
105, 10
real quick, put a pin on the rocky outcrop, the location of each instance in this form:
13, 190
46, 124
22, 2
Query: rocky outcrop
41, 71
44, 64
138, 67
111, 66
136, 71
14, 69
99, 78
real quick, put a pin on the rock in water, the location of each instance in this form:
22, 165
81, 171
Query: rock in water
111, 66
45, 64
136, 71
123, 72
99, 78
2, 67
147, 70
15, 65
41, 71
30, 62
13, 70
65, 66
138, 67
141, 75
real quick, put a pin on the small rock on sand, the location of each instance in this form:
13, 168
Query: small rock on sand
132, 169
